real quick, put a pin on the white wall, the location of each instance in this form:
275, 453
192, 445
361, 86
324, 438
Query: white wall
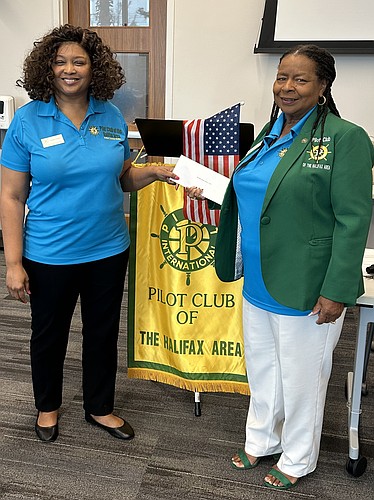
212, 65
21, 23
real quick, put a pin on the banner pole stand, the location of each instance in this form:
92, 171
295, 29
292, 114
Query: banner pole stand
197, 404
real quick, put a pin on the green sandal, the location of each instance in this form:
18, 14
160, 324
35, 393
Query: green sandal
286, 483
245, 461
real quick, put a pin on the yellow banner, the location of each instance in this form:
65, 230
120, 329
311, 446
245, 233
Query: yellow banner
184, 324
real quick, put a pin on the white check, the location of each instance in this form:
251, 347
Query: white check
193, 174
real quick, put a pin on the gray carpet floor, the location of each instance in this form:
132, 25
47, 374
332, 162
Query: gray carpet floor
175, 455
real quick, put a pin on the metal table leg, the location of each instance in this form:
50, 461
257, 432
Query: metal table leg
356, 464
369, 344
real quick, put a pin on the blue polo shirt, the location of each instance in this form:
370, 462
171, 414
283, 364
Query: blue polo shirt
250, 184
75, 202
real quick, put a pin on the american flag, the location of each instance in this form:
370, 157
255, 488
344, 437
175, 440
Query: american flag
213, 142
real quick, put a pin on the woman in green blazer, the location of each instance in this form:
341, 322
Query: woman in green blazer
294, 223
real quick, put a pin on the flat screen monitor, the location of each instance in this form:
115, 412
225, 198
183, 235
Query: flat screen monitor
165, 137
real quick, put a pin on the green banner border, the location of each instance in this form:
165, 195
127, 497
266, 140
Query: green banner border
225, 377
131, 278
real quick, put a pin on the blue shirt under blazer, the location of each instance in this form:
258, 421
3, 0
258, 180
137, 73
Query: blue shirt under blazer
250, 183
314, 219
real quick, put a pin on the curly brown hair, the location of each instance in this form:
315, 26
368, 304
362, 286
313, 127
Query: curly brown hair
38, 76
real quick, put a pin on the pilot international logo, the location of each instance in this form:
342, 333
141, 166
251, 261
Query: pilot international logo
94, 130
109, 133
318, 153
320, 150
186, 246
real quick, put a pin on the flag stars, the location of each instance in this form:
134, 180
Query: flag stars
221, 132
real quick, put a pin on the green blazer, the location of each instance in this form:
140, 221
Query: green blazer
314, 221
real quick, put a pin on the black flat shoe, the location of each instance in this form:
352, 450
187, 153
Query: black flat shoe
123, 432
46, 434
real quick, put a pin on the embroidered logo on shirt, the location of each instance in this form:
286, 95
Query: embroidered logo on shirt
111, 133
282, 152
94, 130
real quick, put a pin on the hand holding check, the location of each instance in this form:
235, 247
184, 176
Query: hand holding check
200, 182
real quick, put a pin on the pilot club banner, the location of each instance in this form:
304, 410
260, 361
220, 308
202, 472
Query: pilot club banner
184, 324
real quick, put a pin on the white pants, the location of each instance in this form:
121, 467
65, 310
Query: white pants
289, 362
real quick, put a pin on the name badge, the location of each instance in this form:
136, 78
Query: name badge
53, 140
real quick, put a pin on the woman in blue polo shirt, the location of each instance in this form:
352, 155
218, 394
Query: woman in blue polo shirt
66, 156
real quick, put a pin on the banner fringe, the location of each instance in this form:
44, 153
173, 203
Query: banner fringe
189, 385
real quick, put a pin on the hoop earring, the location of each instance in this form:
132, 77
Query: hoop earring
323, 100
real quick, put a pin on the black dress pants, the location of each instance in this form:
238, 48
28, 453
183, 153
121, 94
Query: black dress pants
55, 291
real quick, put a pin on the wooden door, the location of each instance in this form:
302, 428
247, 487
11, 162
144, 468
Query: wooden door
122, 39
